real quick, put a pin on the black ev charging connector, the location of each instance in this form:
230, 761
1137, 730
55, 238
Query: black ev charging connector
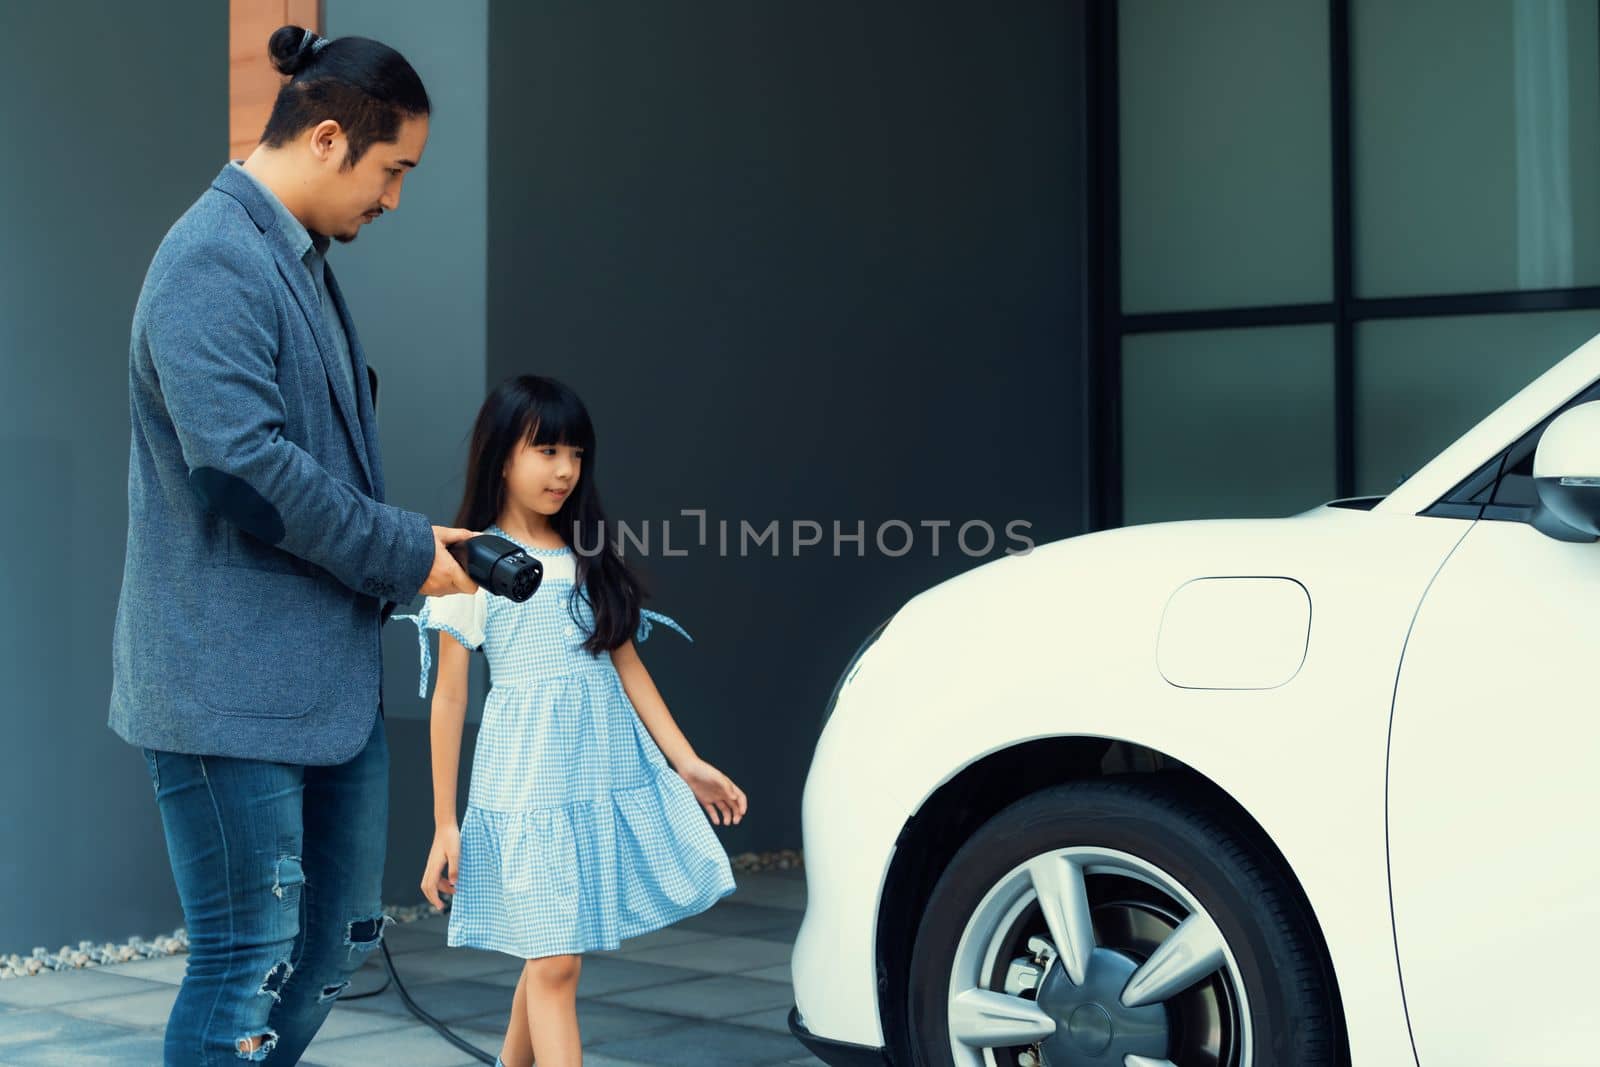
503, 567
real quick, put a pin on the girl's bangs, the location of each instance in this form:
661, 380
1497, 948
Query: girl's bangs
557, 424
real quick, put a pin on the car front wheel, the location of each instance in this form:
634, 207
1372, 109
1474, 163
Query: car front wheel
1118, 922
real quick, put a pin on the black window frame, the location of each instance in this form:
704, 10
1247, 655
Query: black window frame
1108, 325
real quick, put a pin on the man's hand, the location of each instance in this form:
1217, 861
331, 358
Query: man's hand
447, 576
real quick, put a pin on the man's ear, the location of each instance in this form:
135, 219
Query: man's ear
328, 142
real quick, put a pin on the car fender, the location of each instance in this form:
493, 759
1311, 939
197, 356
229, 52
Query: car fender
1062, 642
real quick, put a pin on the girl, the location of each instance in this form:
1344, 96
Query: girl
577, 834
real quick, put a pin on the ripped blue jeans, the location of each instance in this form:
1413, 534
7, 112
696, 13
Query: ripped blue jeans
279, 869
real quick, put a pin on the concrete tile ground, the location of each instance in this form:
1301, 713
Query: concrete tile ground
711, 991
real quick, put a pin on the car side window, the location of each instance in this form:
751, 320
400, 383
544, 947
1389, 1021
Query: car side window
1502, 489
1516, 484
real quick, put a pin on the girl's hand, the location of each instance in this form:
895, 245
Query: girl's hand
723, 801
444, 859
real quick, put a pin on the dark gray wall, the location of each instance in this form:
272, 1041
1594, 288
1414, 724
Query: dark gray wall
803, 261
112, 126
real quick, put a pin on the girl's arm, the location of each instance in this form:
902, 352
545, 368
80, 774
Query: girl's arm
723, 801
448, 714
445, 723
646, 700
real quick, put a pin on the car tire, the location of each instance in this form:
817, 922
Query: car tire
1150, 854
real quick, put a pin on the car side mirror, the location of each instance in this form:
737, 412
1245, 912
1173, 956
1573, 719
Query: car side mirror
1566, 475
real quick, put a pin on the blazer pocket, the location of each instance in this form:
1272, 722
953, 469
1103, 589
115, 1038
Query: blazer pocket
264, 634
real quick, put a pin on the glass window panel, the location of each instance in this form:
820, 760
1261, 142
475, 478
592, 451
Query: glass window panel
1224, 423
1225, 159
1422, 383
1476, 145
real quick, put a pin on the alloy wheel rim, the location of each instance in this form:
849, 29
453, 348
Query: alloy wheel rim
1087, 957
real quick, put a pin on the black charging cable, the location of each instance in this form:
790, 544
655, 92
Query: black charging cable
393, 978
347, 997
416, 1009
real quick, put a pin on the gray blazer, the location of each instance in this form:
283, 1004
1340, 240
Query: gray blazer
261, 558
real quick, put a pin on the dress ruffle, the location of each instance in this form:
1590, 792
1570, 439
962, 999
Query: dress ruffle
580, 854
586, 875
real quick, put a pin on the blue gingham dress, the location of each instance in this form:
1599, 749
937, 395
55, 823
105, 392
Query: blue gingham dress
578, 834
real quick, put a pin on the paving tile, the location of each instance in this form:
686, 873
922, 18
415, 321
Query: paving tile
669, 935
505, 979
594, 1059
706, 1044
404, 939
342, 1021
598, 1021
770, 889
60, 987
432, 964
600, 976
400, 1046
716, 997
47, 1027
774, 1019
784, 932
131, 1048
489, 1040
161, 969
728, 917
449, 1000
144, 1010
778, 972
720, 955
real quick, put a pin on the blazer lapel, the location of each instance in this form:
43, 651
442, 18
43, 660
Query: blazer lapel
294, 273
366, 412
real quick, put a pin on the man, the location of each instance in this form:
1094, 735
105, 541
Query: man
262, 560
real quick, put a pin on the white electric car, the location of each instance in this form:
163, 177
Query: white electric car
1300, 791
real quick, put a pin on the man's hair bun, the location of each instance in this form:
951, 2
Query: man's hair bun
292, 49
364, 85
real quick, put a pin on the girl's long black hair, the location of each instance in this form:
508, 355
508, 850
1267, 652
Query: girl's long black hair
543, 411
